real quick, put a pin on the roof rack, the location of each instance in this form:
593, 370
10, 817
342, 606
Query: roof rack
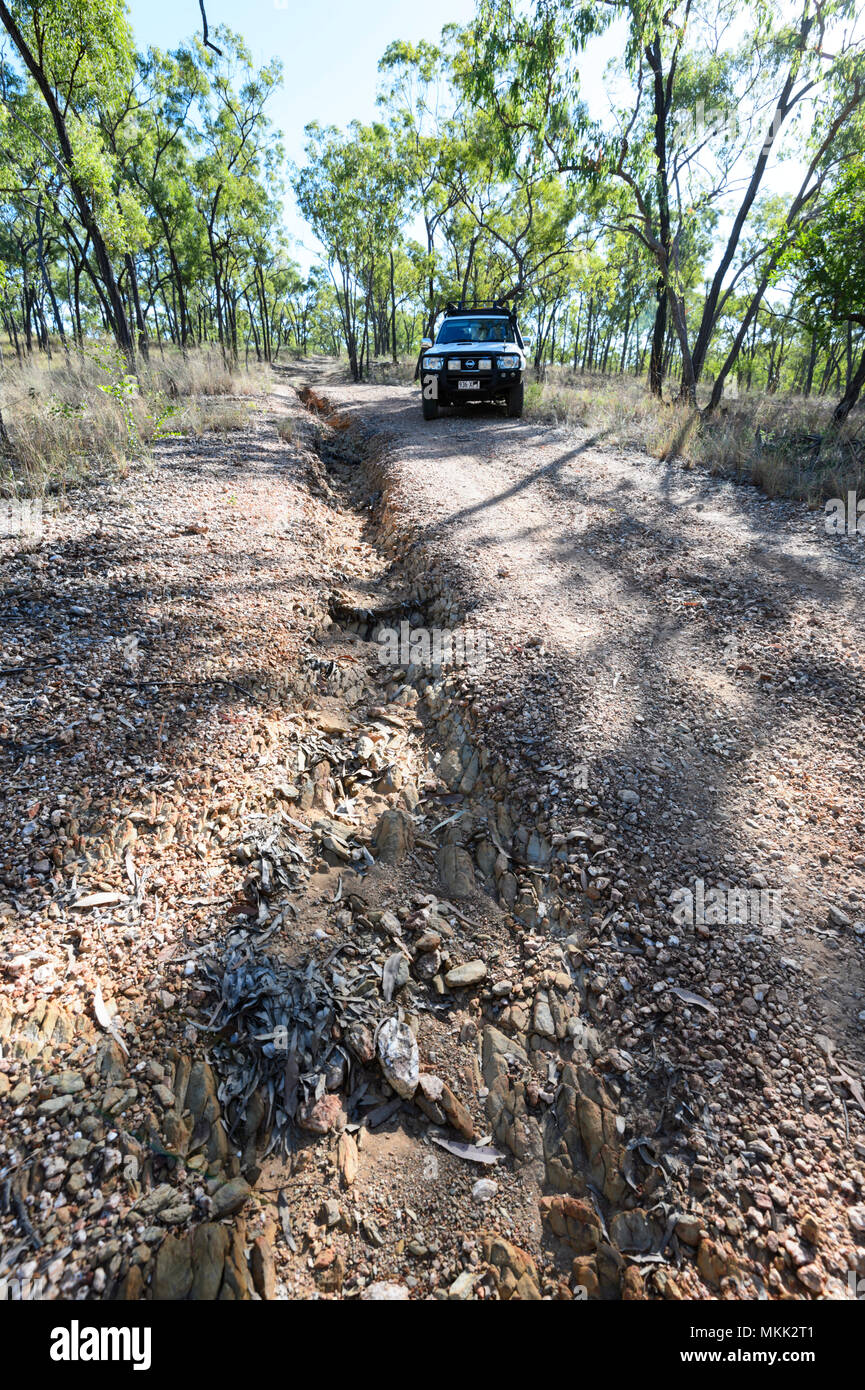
466, 306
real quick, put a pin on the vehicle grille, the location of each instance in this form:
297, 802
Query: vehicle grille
471, 365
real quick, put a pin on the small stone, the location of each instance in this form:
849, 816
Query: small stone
329, 1213
484, 1190
161, 1196
856, 1217
542, 1018
322, 1116
463, 1285
229, 1198
689, 1230
398, 1057
383, 1291
812, 1276
457, 1114
372, 1233
347, 1158
396, 975
456, 871
393, 837
474, 972
810, 1229
176, 1214
172, 1278
262, 1267
67, 1083
450, 768
329, 721
54, 1105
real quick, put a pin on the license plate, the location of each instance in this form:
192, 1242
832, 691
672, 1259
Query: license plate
468, 386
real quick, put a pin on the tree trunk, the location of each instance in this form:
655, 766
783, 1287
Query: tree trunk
588, 338
659, 334
136, 305
624, 355
852, 393
779, 114
46, 279
577, 332
812, 359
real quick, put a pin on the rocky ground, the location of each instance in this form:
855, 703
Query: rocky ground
321, 977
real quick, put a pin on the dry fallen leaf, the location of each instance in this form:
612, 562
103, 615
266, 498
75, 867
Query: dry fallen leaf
688, 997
105, 1020
99, 900
473, 1153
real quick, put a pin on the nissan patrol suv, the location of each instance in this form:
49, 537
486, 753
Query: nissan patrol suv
478, 355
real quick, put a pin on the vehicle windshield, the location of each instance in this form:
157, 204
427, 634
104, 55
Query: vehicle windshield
480, 330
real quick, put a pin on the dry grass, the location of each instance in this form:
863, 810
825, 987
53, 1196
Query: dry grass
198, 417
383, 372
766, 440
201, 372
70, 417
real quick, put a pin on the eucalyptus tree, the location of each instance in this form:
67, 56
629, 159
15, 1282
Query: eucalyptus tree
235, 163
418, 103
680, 60
353, 192
827, 260
78, 55
151, 137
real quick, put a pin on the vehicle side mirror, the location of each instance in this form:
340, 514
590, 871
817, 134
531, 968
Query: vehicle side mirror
425, 343
528, 344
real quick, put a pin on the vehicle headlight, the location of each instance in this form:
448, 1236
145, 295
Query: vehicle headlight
484, 365
454, 364
433, 364
511, 360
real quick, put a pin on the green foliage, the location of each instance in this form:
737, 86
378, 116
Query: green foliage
141, 194
139, 187
827, 257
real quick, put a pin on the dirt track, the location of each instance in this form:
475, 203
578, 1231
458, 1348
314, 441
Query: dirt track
692, 647
203, 756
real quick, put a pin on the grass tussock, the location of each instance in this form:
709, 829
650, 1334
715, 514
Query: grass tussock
385, 373
70, 417
199, 417
202, 372
785, 445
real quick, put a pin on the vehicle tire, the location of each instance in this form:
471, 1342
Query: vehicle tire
430, 409
515, 401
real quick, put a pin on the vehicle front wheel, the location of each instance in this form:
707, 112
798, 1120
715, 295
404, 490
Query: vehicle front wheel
430, 409
515, 401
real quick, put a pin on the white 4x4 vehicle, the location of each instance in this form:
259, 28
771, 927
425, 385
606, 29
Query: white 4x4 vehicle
478, 355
